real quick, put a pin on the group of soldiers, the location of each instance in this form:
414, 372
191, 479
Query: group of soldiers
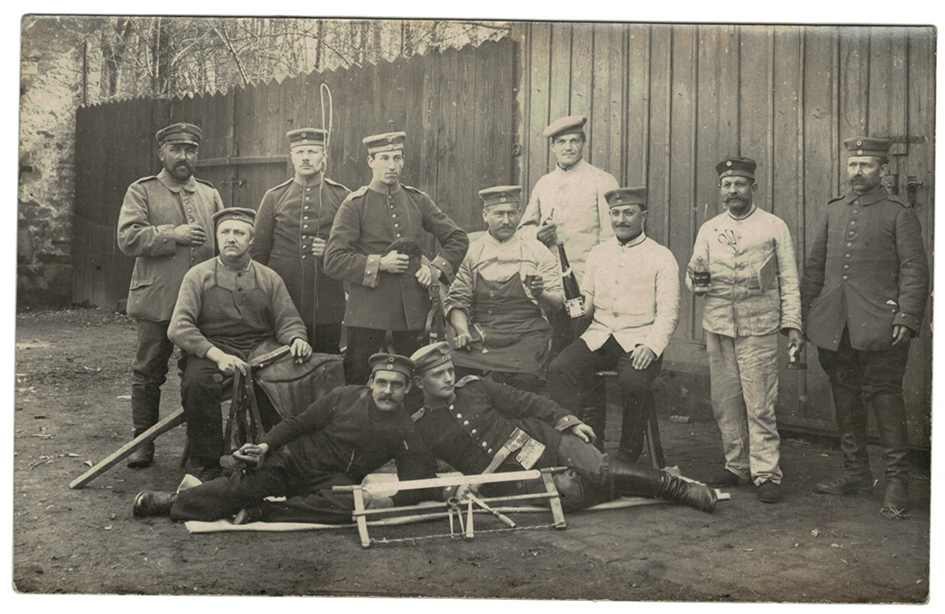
315, 259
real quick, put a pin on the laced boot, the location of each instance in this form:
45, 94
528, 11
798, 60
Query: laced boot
894, 439
628, 479
144, 415
153, 503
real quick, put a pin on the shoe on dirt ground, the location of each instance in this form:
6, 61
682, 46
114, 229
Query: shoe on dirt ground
769, 492
846, 484
725, 479
153, 503
142, 457
896, 500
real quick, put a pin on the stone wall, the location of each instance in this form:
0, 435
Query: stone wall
52, 86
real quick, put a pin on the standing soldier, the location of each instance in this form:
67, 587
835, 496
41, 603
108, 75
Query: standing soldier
752, 296
165, 224
567, 206
382, 295
863, 295
292, 227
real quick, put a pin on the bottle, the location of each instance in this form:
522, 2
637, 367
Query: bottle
795, 359
701, 278
573, 299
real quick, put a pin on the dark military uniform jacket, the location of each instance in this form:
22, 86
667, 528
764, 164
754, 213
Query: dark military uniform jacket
369, 220
345, 433
152, 209
470, 431
866, 271
290, 216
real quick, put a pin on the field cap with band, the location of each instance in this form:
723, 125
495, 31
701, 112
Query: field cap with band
384, 142
867, 146
736, 167
179, 133
626, 196
431, 356
242, 214
501, 195
391, 362
306, 136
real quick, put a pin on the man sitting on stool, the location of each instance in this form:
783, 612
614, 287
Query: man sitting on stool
227, 307
502, 291
631, 290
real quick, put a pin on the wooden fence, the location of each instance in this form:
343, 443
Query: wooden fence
666, 102
456, 107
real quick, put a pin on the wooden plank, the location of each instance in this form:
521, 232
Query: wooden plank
659, 128
756, 105
637, 135
540, 158
174, 419
606, 147
582, 84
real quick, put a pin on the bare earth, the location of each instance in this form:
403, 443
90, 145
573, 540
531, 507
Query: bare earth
72, 368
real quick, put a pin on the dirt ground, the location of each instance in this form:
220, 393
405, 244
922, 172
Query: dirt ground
71, 407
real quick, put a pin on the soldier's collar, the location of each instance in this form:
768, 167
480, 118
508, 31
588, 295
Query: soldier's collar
383, 188
869, 198
171, 184
571, 168
314, 181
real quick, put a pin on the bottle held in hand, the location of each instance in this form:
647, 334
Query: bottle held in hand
573, 299
701, 278
795, 358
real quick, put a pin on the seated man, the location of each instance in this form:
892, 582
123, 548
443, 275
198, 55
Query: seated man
631, 291
466, 423
227, 306
503, 289
338, 440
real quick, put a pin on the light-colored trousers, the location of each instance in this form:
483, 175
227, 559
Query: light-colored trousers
744, 374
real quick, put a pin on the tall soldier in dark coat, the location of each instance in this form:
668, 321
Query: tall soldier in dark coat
863, 297
383, 292
466, 424
338, 440
165, 224
292, 227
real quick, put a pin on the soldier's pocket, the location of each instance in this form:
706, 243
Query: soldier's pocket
143, 283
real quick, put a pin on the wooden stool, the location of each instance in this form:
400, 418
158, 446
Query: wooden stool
652, 431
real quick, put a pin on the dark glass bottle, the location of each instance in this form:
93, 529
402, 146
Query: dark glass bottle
573, 299
701, 278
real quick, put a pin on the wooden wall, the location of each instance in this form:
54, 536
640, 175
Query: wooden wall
456, 108
666, 102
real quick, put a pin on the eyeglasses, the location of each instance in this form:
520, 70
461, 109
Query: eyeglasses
727, 237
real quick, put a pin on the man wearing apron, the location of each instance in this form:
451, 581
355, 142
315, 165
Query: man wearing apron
227, 306
498, 301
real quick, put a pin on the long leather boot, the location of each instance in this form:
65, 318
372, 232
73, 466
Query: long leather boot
632, 479
894, 439
851, 420
145, 405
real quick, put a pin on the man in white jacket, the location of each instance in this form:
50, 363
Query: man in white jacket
753, 295
631, 290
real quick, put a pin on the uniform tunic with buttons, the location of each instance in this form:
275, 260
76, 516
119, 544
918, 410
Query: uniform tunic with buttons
472, 428
152, 209
867, 271
368, 221
233, 310
634, 289
290, 216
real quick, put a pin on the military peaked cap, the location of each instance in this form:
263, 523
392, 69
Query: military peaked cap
736, 167
306, 136
234, 213
501, 195
179, 133
867, 146
385, 142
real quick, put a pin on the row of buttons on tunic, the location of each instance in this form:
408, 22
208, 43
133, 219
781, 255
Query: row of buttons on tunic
850, 243
459, 416
393, 215
192, 221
